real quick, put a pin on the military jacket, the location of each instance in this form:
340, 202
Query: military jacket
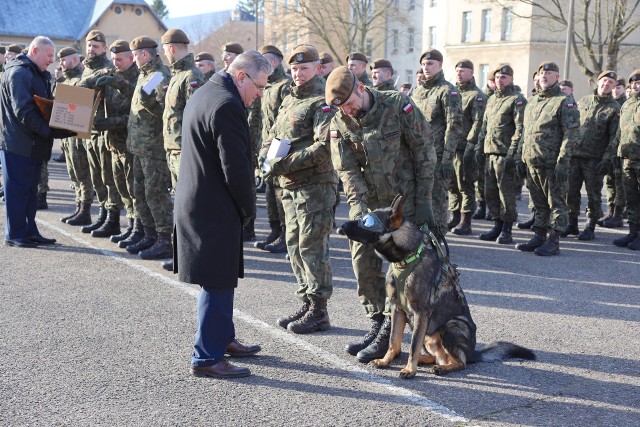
442, 107
186, 78
119, 104
628, 136
144, 128
388, 85
599, 118
304, 119
474, 101
551, 122
254, 117
278, 87
621, 100
502, 126
364, 78
386, 152
92, 71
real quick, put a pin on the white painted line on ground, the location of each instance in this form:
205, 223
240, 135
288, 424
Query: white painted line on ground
356, 371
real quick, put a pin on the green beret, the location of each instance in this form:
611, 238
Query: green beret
174, 35
204, 56
95, 35
357, 56
3, 50
419, 71
406, 86
120, 46
272, 50
303, 53
233, 48
567, 83
465, 63
340, 85
620, 82
505, 69
14, 48
325, 58
635, 76
381, 63
432, 54
143, 42
66, 51
608, 73
549, 66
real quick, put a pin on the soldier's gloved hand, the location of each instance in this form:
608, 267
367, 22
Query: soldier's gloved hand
604, 166
617, 162
144, 96
105, 80
424, 214
102, 124
480, 159
562, 171
445, 170
468, 158
61, 133
276, 166
509, 162
521, 169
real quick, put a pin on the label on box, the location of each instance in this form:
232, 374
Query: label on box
73, 117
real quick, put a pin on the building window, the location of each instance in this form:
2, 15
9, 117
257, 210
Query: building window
395, 41
118, 10
138, 12
433, 39
285, 44
295, 39
296, 6
412, 40
285, 6
507, 23
433, 3
274, 39
410, 76
368, 50
484, 75
486, 25
275, 7
466, 27
396, 3
412, 4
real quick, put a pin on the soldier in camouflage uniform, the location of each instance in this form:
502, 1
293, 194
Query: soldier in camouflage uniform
500, 135
357, 62
481, 211
118, 86
151, 176
462, 201
206, 64
229, 52
381, 146
591, 158
327, 63
441, 104
382, 75
627, 144
308, 183
74, 149
551, 128
278, 87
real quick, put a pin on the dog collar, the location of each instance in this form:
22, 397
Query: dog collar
412, 258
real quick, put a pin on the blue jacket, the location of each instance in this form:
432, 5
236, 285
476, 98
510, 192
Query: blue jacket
23, 130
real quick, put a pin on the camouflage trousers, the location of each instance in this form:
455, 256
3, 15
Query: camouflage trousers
461, 189
151, 198
309, 219
273, 197
173, 161
500, 189
43, 184
615, 188
480, 180
549, 198
122, 166
75, 153
439, 200
631, 179
584, 171
99, 158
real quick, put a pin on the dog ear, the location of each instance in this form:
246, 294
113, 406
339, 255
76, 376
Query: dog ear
396, 212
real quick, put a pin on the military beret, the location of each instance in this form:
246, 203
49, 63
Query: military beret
568, 83
14, 48
504, 69
608, 73
340, 85
620, 82
174, 35
635, 76
3, 50
204, 56
381, 63
325, 58
406, 86
303, 53
95, 35
432, 54
269, 48
419, 71
66, 51
357, 56
143, 42
120, 46
233, 48
549, 66
465, 63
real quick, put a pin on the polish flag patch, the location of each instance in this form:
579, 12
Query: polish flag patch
480, 99
334, 133
165, 87
570, 105
326, 108
519, 104
454, 93
407, 108
193, 83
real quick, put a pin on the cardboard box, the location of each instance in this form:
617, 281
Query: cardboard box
74, 109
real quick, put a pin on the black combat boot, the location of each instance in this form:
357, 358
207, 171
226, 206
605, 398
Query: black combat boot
149, 239
536, 241
464, 228
481, 211
354, 347
248, 231
168, 265
551, 246
68, 217
126, 233
42, 202
315, 319
136, 235
60, 158
623, 242
493, 234
455, 219
110, 227
505, 236
528, 223
488, 216
275, 233
102, 217
162, 248
378, 348
616, 220
589, 231
83, 217
572, 228
607, 216
279, 246
635, 245
284, 321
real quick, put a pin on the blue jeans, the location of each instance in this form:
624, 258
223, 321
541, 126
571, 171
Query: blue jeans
215, 326
21, 175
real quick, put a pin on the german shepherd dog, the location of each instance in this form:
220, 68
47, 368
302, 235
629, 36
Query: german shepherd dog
429, 298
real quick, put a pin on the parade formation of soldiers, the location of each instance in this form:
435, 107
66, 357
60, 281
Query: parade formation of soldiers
456, 152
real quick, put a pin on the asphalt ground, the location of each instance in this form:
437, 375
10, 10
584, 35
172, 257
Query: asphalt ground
93, 336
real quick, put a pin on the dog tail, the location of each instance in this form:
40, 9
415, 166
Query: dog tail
500, 350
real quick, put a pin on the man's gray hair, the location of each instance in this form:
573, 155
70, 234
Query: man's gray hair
251, 62
40, 42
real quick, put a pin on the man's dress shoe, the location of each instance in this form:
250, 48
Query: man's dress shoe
237, 349
21, 243
222, 369
41, 240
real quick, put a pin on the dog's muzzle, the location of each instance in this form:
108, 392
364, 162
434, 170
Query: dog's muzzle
367, 229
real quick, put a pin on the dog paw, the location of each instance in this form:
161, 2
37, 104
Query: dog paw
407, 373
380, 364
438, 370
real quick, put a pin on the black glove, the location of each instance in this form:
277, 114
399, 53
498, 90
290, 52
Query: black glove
424, 214
468, 158
617, 162
521, 169
445, 171
603, 167
480, 159
61, 133
102, 124
509, 162
105, 80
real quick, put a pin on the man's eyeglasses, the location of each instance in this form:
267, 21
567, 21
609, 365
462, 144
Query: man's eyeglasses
260, 88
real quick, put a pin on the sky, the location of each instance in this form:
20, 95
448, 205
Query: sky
179, 8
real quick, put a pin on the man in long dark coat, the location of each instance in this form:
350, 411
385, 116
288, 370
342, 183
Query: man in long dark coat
214, 198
